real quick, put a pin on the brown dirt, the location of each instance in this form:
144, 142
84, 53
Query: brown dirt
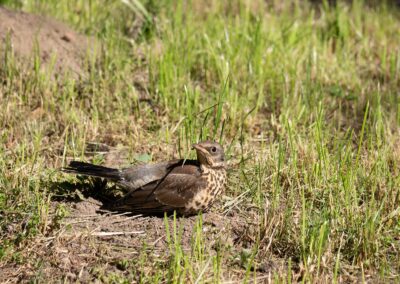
80, 249
89, 243
54, 39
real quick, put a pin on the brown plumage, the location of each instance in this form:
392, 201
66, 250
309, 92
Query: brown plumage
184, 186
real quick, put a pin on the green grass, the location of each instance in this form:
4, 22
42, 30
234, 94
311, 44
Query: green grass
303, 97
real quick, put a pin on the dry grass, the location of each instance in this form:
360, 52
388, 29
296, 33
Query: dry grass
303, 97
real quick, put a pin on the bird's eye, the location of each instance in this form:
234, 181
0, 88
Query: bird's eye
213, 149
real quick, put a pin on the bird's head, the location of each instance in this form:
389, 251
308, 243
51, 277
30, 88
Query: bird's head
210, 154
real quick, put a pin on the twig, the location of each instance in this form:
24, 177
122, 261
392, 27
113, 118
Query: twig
108, 234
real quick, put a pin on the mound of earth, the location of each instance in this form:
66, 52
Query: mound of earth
54, 41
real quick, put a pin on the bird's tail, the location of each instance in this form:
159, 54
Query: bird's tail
87, 169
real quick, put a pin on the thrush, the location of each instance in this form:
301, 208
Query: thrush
184, 186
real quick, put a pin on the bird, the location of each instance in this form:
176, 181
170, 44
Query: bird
184, 186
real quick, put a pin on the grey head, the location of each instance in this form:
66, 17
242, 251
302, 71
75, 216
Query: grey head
210, 154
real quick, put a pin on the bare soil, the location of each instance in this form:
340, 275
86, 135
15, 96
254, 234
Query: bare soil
90, 244
27, 33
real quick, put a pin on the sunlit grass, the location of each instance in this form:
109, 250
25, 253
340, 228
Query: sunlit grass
303, 97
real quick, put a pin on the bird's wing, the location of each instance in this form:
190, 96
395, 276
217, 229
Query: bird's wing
167, 194
180, 186
138, 176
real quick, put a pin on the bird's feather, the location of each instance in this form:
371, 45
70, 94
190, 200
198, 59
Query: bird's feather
138, 176
92, 170
180, 185
169, 193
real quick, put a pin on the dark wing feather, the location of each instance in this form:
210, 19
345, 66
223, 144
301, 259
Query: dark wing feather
178, 189
168, 194
88, 169
138, 176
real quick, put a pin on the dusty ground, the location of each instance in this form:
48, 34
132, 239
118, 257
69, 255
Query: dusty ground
82, 242
90, 244
54, 40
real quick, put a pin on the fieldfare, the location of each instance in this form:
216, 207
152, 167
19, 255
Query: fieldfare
184, 186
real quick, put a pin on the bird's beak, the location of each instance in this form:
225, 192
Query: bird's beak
202, 154
199, 148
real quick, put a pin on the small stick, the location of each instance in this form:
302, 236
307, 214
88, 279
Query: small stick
108, 234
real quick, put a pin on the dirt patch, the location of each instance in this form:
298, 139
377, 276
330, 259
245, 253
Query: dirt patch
53, 40
91, 244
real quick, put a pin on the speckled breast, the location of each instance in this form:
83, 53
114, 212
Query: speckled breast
216, 182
